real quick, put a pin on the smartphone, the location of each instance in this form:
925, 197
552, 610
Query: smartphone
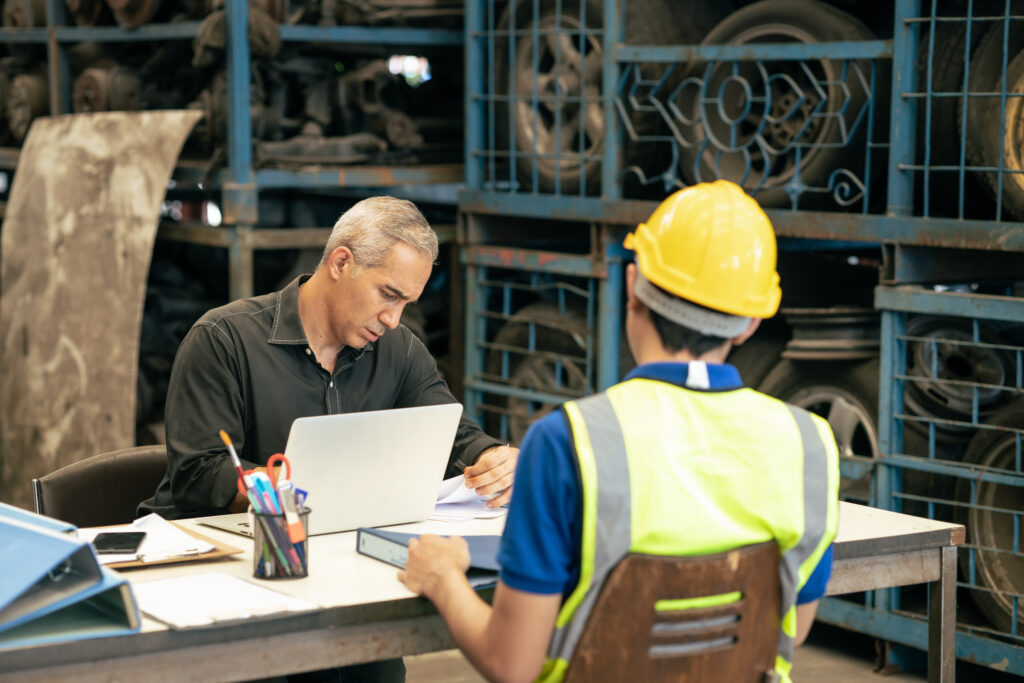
118, 542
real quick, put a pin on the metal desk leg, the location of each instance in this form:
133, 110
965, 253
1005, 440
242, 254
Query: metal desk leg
942, 621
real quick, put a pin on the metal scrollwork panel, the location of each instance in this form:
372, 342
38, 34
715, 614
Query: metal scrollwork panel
792, 133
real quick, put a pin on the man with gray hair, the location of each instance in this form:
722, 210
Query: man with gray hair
327, 343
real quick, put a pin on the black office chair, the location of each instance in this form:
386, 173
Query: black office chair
102, 490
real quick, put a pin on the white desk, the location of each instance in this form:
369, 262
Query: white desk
367, 614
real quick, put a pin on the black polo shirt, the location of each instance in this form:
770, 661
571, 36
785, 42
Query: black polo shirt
247, 368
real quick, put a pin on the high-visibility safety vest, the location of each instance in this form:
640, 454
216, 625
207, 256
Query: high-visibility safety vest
666, 470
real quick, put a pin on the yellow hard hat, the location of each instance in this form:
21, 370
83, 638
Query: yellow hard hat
713, 245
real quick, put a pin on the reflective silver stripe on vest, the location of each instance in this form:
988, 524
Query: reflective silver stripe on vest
815, 500
613, 535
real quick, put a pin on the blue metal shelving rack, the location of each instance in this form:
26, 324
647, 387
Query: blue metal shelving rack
238, 183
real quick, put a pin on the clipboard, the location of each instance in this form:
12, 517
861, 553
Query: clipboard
220, 550
54, 587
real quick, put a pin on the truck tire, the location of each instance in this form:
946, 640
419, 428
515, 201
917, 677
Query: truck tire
555, 366
984, 114
573, 67
1003, 141
846, 394
762, 158
999, 571
947, 72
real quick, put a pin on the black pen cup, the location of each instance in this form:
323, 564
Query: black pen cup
275, 555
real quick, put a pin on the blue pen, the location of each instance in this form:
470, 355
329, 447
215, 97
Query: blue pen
266, 491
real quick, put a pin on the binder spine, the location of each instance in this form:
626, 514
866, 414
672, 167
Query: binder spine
379, 548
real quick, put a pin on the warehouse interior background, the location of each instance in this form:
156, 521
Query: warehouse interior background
886, 141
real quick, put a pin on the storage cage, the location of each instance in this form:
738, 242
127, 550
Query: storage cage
299, 101
884, 141
951, 433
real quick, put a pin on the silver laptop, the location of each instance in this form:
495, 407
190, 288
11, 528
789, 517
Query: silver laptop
366, 469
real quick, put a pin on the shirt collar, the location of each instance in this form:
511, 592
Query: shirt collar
720, 376
287, 328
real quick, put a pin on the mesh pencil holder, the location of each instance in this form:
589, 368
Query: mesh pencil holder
280, 551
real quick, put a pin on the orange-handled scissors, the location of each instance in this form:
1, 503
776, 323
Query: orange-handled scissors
274, 473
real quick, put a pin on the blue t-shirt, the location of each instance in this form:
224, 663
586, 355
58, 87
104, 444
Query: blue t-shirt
540, 549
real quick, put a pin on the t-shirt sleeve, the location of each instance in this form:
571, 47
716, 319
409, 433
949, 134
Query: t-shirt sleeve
539, 547
814, 589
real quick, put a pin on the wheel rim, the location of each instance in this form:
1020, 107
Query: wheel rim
852, 423
998, 571
949, 354
568, 69
853, 427
753, 116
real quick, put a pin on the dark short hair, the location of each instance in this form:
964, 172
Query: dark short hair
675, 337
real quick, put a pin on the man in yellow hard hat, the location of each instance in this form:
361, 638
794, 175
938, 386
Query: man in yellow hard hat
678, 459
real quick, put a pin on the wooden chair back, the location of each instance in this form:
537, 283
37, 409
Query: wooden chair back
648, 623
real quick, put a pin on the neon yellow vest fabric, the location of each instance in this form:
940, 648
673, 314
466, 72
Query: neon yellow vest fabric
667, 470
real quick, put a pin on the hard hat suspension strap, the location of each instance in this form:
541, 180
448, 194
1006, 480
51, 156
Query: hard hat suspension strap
687, 314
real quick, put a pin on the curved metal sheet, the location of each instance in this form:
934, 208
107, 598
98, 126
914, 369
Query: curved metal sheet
74, 257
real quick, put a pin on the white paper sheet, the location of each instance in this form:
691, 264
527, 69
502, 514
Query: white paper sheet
456, 503
211, 598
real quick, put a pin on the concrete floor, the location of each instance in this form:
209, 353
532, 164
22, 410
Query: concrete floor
831, 654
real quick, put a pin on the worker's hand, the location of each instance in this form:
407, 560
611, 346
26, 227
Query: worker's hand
432, 560
493, 473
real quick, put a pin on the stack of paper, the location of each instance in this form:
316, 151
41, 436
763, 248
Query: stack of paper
163, 541
211, 598
456, 503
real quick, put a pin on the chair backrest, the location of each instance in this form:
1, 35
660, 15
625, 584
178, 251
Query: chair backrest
707, 618
101, 490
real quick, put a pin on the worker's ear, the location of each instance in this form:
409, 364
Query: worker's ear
632, 302
340, 261
747, 333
